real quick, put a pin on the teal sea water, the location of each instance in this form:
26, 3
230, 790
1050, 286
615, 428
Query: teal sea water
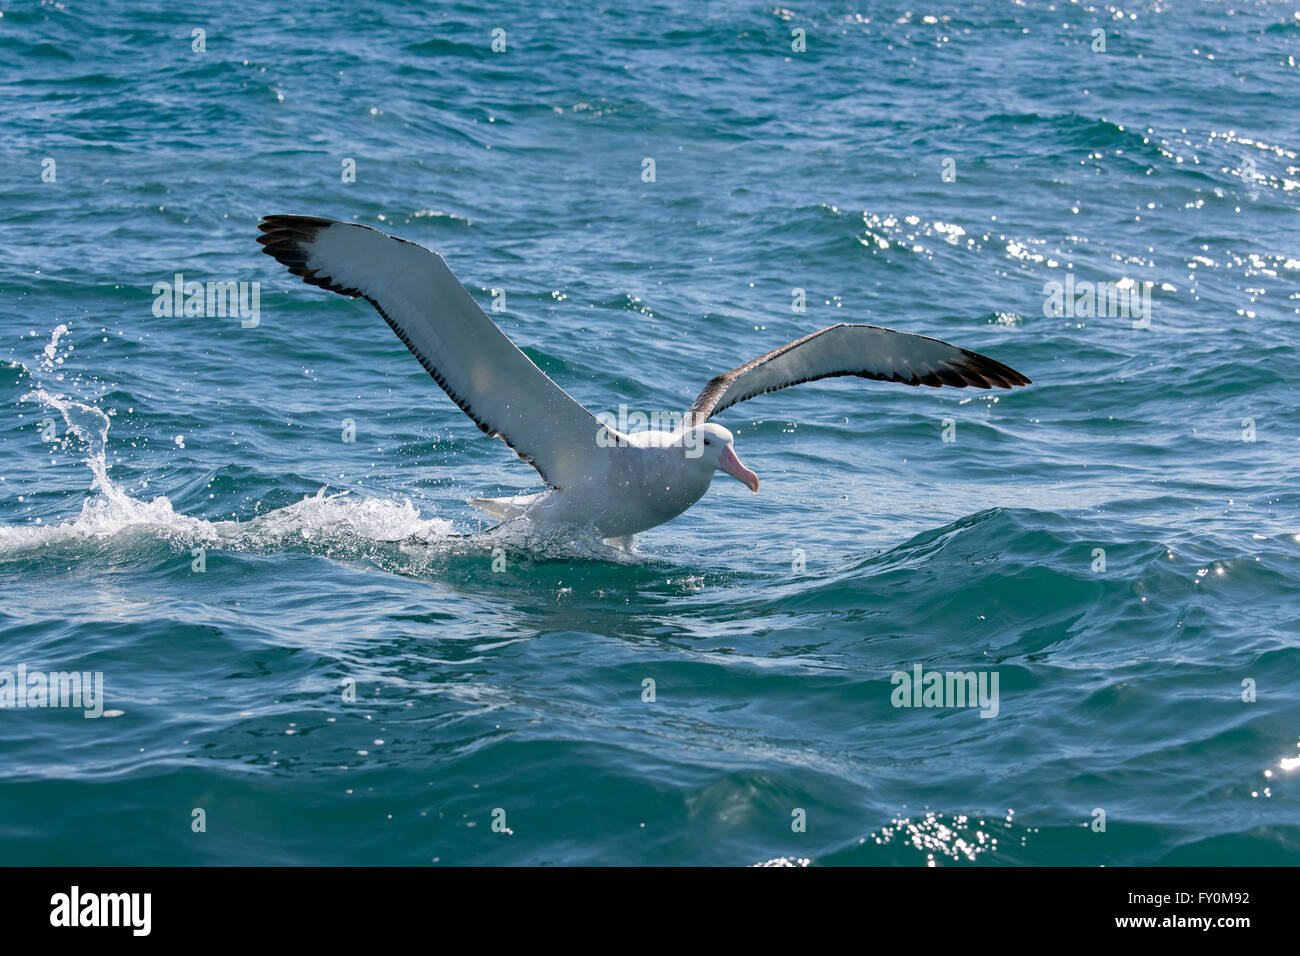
1118, 543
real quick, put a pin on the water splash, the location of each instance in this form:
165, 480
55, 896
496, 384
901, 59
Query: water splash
340, 524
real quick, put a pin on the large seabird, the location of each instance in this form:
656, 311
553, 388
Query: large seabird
618, 484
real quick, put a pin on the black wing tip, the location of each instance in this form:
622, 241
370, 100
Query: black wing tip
985, 372
287, 238
307, 224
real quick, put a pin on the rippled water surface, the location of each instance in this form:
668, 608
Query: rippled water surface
305, 638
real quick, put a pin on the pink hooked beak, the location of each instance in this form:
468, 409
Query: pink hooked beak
729, 463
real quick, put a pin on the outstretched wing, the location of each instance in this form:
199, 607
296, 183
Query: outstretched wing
494, 383
867, 351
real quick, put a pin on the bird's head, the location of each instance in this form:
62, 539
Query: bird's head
710, 446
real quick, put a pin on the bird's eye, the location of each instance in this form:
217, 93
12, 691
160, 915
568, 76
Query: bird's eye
707, 442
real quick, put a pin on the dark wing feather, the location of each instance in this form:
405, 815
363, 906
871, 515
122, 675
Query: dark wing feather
864, 351
492, 381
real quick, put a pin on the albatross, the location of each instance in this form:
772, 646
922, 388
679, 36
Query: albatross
616, 484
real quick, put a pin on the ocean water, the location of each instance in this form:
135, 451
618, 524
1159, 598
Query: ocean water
306, 651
